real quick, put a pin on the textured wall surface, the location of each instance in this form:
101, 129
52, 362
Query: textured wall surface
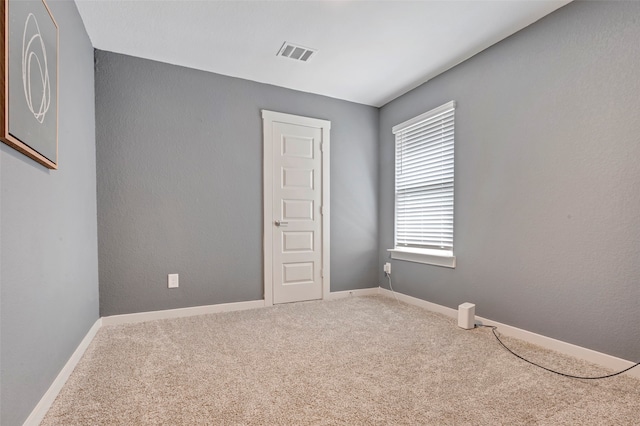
179, 159
49, 249
547, 214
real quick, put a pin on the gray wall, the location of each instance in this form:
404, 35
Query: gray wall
49, 251
547, 215
179, 170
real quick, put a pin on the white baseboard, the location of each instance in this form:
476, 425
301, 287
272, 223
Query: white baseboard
349, 293
212, 309
599, 358
589, 355
182, 312
43, 406
433, 307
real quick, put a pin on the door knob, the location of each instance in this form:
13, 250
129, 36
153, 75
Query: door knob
279, 223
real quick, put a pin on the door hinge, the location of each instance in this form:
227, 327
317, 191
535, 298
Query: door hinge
321, 273
321, 209
321, 146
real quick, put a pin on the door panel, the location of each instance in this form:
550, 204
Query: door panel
293, 210
293, 146
297, 241
297, 178
297, 273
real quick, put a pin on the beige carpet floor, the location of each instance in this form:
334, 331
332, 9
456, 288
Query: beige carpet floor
354, 361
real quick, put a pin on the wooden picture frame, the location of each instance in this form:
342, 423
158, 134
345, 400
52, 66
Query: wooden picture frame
29, 80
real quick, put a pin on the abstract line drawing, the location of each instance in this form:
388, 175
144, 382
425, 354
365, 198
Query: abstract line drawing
29, 80
35, 70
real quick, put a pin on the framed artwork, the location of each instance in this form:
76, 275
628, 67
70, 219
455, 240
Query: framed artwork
29, 75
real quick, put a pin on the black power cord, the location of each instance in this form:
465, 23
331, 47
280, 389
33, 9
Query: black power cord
494, 328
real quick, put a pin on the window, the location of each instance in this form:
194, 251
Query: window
424, 188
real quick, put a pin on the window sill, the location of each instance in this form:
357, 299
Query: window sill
443, 258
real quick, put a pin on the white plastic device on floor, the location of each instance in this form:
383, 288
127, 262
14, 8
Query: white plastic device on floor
467, 316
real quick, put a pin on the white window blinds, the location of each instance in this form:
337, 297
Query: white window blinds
424, 180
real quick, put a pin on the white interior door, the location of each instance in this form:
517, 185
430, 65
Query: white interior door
295, 220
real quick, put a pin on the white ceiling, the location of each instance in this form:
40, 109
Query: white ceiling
369, 52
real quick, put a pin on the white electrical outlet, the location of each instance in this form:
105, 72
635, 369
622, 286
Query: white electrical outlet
387, 268
173, 281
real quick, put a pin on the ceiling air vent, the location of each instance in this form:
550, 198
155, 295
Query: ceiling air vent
298, 53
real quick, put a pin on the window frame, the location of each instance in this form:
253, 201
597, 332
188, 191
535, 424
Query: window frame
430, 256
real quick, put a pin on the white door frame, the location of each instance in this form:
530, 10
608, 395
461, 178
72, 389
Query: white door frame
269, 117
